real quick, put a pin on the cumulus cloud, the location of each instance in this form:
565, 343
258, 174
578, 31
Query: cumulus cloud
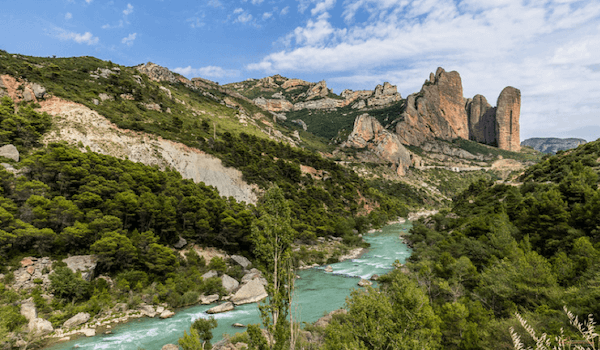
545, 48
68, 15
128, 10
85, 38
284, 11
128, 40
208, 71
267, 15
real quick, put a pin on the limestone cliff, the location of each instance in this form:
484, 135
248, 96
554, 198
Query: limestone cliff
507, 119
368, 133
482, 120
79, 125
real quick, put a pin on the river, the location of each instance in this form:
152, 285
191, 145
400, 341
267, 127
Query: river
316, 294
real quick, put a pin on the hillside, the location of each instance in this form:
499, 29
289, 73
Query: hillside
551, 144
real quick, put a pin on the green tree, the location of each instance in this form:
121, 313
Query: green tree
115, 251
200, 335
67, 285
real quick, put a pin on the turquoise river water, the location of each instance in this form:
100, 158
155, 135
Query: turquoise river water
316, 293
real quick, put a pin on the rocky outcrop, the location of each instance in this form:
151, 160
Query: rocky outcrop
102, 136
250, 292
318, 90
242, 261
273, 105
36, 325
10, 152
369, 133
86, 264
507, 119
157, 73
208, 299
482, 120
32, 273
438, 111
552, 145
294, 83
384, 95
229, 283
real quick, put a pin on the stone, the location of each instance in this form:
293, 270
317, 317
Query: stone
293, 83
9, 151
95, 101
29, 311
209, 299
364, 283
38, 90
77, 320
228, 306
25, 262
250, 292
147, 310
301, 123
296, 135
242, 261
28, 95
318, 90
274, 105
105, 97
160, 309
40, 326
508, 113
167, 314
170, 347
88, 332
210, 274
181, 243
229, 283
238, 325
375, 277
328, 268
84, 263
369, 133
383, 96
157, 73
166, 91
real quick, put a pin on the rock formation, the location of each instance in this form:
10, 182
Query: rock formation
507, 119
157, 73
552, 145
86, 264
250, 292
384, 95
9, 151
482, 120
369, 133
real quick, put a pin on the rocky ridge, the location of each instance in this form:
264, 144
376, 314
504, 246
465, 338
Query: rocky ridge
552, 145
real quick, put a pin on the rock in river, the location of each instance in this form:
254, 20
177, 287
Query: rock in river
250, 292
228, 306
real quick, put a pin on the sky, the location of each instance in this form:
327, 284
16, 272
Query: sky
549, 49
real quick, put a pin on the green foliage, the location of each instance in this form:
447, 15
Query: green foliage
67, 285
200, 335
24, 128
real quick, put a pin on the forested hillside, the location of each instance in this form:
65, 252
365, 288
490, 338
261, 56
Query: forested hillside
529, 249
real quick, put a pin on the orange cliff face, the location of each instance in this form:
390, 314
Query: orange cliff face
507, 119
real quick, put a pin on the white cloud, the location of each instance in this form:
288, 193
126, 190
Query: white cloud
256, 2
238, 10
546, 48
89, 1
267, 15
68, 15
128, 10
244, 18
284, 11
128, 40
208, 71
215, 3
196, 22
85, 38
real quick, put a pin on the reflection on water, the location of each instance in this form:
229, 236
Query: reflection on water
316, 293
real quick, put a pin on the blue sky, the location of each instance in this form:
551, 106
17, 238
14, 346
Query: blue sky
549, 49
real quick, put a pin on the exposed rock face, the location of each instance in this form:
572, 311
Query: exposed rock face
482, 120
104, 137
209, 299
369, 133
76, 320
552, 145
384, 95
294, 83
438, 111
274, 105
228, 306
36, 325
250, 292
157, 73
318, 90
32, 270
210, 274
84, 263
10, 152
181, 243
507, 118
242, 261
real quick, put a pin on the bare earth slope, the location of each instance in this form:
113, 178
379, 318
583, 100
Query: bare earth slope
75, 123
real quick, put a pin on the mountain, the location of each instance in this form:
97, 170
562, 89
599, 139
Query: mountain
551, 144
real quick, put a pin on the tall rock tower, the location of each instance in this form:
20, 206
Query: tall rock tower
508, 111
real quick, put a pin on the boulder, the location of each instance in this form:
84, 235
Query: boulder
170, 347
210, 274
482, 120
88, 332
238, 325
160, 309
228, 306
229, 283
250, 292
147, 310
40, 326
242, 261
181, 243
28, 95
208, 299
328, 268
9, 151
38, 90
167, 314
29, 311
364, 283
77, 320
84, 263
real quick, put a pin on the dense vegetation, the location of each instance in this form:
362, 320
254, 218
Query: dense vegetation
501, 249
